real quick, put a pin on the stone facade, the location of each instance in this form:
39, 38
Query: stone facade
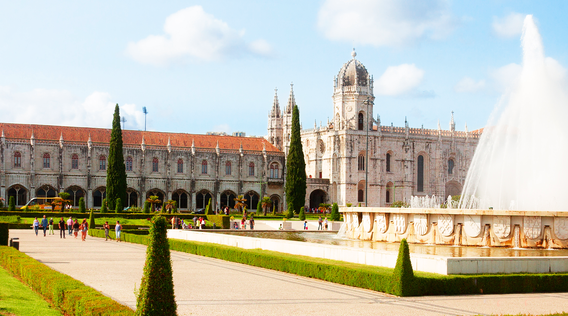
401, 161
39, 160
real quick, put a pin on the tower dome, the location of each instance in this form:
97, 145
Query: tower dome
353, 73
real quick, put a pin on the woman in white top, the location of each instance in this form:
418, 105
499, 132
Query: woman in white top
36, 225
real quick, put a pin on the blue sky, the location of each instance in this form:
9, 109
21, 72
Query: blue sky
201, 66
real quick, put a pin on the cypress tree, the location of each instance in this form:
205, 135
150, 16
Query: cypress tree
146, 207
208, 208
156, 296
11, 204
116, 171
119, 207
335, 212
259, 207
302, 215
82, 205
290, 212
104, 206
91, 220
295, 167
403, 276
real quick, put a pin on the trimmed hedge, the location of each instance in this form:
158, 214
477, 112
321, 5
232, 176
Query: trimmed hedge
4, 234
65, 293
221, 221
86, 215
367, 277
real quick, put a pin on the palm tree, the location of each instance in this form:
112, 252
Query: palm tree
266, 203
153, 200
170, 206
240, 203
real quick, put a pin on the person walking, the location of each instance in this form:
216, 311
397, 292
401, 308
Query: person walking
84, 229
51, 226
62, 228
76, 228
325, 223
44, 224
320, 223
118, 230
305, 225
36, 225
70, 226
173, 222
251, 222
106, 227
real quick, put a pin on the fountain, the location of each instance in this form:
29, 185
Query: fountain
514, 191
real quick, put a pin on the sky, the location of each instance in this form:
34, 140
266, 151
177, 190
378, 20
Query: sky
200, 66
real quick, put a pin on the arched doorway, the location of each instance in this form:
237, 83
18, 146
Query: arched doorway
453, 188
252, 200
131, 198
228, 199
181, 198
19, 193
75, 193
275, 203
317, 197
98, 195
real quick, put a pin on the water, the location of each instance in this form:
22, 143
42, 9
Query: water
439, 250
518, 161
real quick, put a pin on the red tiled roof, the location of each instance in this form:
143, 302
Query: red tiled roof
133, 138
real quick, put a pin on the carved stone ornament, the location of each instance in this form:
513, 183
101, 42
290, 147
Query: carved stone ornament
399, 223
561, 227
382, 221
446, 225
472, 225
355, 220
367, 222
421, 224
532, 226
347, 219
502, 226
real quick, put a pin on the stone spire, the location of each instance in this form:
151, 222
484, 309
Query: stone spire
169, 145
275, 112
217, 149
89, 142
32, 139
143, 144
193, 147
291, 100
452, 123
61, 140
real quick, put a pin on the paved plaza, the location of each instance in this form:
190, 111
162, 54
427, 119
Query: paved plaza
205, 286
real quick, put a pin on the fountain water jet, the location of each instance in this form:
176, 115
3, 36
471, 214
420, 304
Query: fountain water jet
517, 161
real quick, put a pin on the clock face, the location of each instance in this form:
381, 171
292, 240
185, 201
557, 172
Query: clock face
322, 146
349, 108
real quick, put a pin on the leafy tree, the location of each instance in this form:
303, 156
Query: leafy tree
302, 215
240, 203
208, 208
116, 171
146, 207
64, 200
153, 200
335, 212
266, 204
163, 210
273, 209
91, 220
295, 167
156, 294
290, 212
11, 204
171, 206
104, 206
259, 207
119, 207
82, 205
403, 276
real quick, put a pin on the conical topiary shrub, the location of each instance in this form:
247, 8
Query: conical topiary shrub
91, 220
82, 205
156, 295
403, 282
302, 215
259, 207
335, 212
104, 206
208, 208
290, 212
119, 207
146, 207
11, 204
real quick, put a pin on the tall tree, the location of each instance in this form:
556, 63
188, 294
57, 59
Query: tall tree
295, 167
116, 171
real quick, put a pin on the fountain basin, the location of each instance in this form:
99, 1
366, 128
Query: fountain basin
461, 227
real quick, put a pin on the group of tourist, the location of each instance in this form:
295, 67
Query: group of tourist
72, 226
321, 223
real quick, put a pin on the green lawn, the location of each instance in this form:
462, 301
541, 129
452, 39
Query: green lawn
18, 299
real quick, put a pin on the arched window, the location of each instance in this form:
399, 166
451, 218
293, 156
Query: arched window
361, 162
17, 160
388, 162
75, 193
360, 196
228, 168
180, 165
420, 174
388, 199
361, 120
228, 199
155, 165
128, 163
98, 195
181, 199
251, 169
204, 167
74, 161
102, 163
274, 171
202, 198
451, 166
46, 161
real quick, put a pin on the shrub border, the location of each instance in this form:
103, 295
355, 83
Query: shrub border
62, 291
368, 277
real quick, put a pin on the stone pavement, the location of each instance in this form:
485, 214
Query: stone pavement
216, 287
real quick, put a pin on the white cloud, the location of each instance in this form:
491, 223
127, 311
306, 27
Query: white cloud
400, 80
222, 128
61, 107
505, 77
469, 85
509, 26
385, 22
193, 33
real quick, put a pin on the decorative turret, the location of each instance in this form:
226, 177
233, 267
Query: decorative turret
452, 123
291, 100
275, 121
32, 139
241, 149
89, 142
217, 149
143, 144
61, 140
169, 145
275, 112
193, 147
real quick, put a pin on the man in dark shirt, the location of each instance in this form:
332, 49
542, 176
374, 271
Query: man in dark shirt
44, 224
62, 228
